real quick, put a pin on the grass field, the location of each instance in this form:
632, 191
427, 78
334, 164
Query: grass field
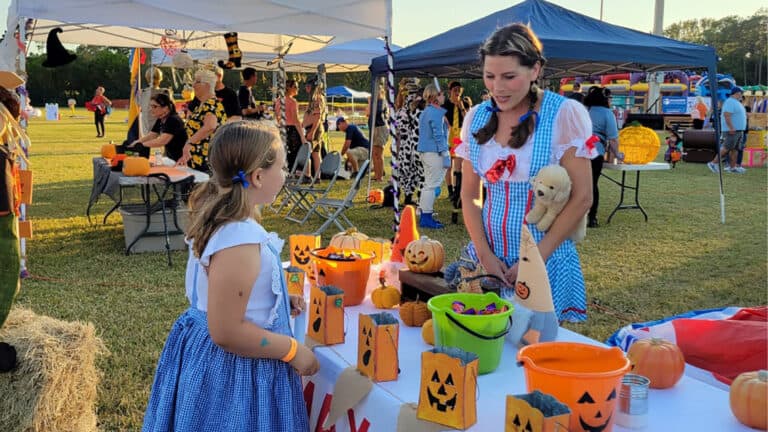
683, 258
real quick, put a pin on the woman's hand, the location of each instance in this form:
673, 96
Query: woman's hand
511, 274
186, 155
298, 305
305, 361
493, 265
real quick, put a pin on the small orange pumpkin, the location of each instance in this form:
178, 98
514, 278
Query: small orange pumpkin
414, 313
424, 255
749, 397
385, 297
350, 239
375, 196
659, 360
108, 151
428, 332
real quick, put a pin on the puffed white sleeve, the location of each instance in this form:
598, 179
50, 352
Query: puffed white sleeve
462, 150
573, 128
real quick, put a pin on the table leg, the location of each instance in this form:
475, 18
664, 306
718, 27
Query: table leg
148, 217
637, 193
622, 186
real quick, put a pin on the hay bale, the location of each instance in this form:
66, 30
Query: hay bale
53, 387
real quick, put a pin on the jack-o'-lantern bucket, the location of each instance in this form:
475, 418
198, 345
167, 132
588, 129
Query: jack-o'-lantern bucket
344, 269
587, 378
479, 333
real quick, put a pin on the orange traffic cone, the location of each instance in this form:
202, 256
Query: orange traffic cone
406, 233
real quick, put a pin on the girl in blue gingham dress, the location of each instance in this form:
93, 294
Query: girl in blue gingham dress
558, 133
230, 362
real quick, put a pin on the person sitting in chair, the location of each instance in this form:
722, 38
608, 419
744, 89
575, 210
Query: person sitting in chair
356, 146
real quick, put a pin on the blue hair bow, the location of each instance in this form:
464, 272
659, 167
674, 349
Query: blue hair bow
525, 116
240, 178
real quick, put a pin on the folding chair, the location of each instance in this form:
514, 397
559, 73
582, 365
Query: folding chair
333, 209
169, 196
294, 177
305, 197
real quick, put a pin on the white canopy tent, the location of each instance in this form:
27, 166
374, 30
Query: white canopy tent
353, 56
264, 26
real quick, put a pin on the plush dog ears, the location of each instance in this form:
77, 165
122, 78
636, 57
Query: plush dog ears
56, 55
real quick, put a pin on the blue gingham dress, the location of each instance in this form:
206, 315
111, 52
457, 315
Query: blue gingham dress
504, 210
200, 387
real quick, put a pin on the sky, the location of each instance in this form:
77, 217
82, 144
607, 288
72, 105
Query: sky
416, 20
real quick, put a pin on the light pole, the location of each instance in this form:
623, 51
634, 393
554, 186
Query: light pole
744, 64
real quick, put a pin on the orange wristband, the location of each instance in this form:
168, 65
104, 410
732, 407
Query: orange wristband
291, 351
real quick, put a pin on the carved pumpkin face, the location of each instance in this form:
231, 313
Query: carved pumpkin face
522, 290
424, 255
448, 387
602, 409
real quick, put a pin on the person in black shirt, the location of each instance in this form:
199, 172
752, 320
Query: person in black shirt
248, 106
168, 130
577, 94
356, 146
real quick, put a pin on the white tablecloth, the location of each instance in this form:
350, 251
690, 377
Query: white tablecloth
651, 166
690, 405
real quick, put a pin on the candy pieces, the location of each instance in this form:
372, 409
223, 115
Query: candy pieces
490, 309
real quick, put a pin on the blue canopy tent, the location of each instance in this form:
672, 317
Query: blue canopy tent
574, 45
346, 92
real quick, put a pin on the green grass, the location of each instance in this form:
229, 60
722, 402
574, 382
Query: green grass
682, 259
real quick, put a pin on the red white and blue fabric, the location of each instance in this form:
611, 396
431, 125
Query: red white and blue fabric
504, 210
200, 387
718, 344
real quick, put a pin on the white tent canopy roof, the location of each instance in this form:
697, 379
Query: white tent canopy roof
354, 56
264, 26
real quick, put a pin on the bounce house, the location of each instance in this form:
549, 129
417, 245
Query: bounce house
724, 85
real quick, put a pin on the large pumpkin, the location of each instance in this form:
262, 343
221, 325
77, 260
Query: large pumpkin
658, 360
414, 313
350, 239
424, 255
639, 144
749, 399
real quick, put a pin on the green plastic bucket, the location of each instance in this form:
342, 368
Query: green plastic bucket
480, 334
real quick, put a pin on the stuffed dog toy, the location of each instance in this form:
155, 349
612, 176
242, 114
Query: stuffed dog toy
551, 190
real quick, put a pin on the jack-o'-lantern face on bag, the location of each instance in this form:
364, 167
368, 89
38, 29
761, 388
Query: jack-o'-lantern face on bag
367, 335
448, 387
301, 254
442, 392
326, 315
377, 346
602, 416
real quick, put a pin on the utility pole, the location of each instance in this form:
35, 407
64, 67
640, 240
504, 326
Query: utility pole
655, 79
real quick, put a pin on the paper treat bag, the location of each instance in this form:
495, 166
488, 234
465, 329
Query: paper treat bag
381, 249
299, 246
377, 344
294, 279
536, 320
448, 387
326, 315
536, 412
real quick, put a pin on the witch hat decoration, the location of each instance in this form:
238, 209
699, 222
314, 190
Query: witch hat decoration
235, 56
56, 55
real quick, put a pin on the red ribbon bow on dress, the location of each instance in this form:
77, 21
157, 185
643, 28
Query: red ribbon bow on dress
590, 143
497, 170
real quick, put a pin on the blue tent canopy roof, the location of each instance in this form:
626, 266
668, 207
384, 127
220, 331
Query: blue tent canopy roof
574, 45
342, 91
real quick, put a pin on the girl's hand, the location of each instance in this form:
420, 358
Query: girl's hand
305, 361
298, 305
493, 265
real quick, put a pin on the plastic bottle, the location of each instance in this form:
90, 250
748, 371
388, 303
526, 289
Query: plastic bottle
158, 157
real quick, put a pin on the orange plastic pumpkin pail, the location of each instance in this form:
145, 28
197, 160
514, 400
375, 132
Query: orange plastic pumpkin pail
587, 378
349, 275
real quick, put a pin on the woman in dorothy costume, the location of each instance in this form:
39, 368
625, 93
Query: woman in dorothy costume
506, 140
